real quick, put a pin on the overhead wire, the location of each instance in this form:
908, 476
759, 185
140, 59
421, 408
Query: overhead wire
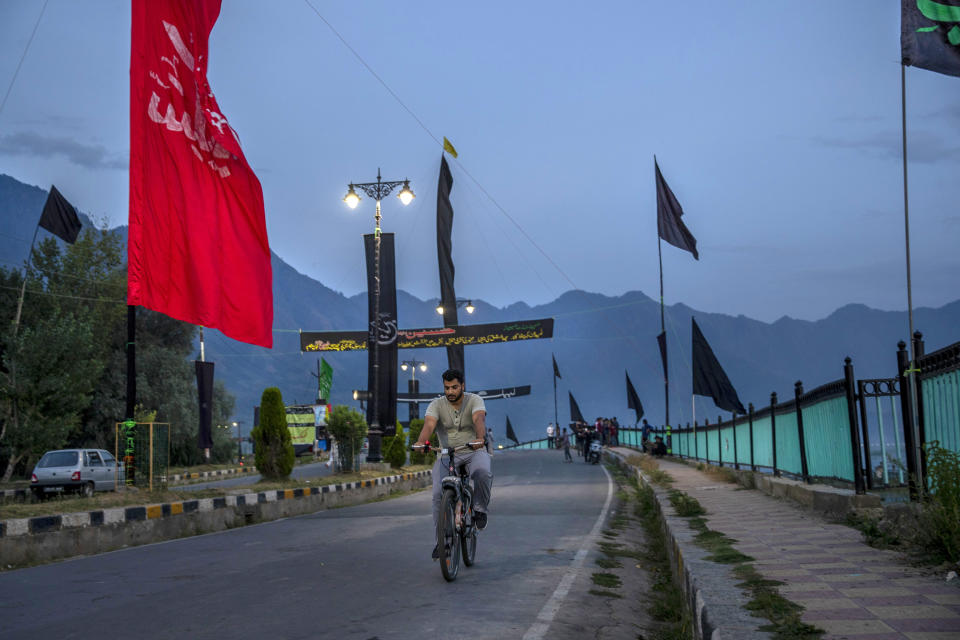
23, 57
459, 164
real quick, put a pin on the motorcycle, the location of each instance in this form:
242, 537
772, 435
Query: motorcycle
593, 453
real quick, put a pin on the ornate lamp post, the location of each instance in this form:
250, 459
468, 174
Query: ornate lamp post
376, 190
460, 303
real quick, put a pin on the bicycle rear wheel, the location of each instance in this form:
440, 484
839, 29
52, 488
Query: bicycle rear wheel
448, 540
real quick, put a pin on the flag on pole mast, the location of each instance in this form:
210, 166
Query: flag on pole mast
709, 379
575, 415
198, 248
60, 218
633, 400
669, 225
510, 432
930, 35
556, 369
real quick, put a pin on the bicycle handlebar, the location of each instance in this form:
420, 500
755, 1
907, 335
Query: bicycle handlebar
444, 451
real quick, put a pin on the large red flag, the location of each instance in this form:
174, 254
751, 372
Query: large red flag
198, 247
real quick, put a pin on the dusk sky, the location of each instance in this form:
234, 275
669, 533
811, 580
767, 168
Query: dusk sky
776, 124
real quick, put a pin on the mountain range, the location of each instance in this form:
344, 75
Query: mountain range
596, 338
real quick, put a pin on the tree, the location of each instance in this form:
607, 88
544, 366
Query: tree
273, 450
75, 291
396, 448
48, 374
349, 428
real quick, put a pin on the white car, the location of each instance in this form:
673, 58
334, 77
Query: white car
83, 471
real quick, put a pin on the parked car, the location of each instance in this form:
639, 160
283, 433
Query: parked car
77, 470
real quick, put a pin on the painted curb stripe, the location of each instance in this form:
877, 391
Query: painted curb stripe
191, 506
176, 508
154, 511
96, 518
44, 524
135, 513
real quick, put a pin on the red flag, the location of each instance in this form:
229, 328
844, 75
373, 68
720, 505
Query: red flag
198, 247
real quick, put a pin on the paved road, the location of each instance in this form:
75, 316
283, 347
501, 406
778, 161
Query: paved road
354, 573
300, 472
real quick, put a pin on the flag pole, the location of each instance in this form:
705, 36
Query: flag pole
663, 330
23, 286
912, 370
556, 418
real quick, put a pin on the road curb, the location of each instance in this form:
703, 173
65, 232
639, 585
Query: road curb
26, 541
712, 597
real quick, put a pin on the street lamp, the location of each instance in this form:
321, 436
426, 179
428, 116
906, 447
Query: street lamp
376, 190
239, 444
413, 385
460, 303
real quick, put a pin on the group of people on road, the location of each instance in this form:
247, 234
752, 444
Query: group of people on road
606, 430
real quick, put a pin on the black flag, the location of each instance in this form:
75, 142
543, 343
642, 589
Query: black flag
633, 400
669, 225
709, 378
205, 396
60, 218
556, 370
448, 296
385, 332
930, 35
575, 415
510, 432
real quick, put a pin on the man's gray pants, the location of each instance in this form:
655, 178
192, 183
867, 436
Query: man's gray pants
478, 467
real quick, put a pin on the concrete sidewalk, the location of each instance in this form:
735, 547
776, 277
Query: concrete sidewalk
847, 587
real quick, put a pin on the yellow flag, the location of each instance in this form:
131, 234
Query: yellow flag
449, 147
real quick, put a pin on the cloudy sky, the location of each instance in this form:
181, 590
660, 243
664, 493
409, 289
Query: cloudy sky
776, 124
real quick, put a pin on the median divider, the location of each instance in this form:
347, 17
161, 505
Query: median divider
28, 541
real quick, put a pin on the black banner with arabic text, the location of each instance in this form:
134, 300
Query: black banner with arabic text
384, 331
490, 333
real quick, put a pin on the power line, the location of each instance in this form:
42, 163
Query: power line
22, 57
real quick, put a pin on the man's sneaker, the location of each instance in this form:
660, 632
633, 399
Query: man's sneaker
480, 519
436, 552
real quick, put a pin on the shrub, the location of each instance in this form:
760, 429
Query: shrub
940, 519
273, 451
348, 427
417, 457
395, 449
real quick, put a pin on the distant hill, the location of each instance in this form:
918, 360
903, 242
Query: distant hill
596, 338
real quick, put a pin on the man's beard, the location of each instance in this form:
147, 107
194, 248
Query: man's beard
456, 399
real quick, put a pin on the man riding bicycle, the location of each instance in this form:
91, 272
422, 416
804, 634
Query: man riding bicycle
459, 418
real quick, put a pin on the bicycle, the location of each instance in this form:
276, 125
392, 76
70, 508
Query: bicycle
456, 531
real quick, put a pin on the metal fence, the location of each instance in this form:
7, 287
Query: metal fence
144, 449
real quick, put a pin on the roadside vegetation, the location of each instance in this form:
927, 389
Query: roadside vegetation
765, 601
930, 534
62, 375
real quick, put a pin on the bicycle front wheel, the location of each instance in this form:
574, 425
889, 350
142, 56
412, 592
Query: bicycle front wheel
468, 544
448, 540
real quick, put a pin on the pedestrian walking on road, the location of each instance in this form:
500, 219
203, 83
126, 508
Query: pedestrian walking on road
565, 443
550, 436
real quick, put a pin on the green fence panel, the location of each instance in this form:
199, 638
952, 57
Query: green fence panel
727, 452
703, 442
743, 442
826, 431
788, 443
941, 409
762, 442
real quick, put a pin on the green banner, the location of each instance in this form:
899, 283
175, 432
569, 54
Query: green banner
326, 380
